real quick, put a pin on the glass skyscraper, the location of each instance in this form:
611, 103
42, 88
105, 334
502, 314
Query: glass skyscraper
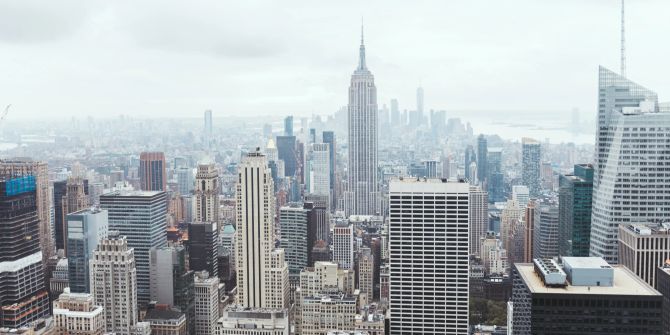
574, 211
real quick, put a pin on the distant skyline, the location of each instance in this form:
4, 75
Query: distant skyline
177, 59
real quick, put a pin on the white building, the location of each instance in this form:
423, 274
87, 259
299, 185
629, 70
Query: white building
319, 180
238, 320
75, 313
206, 195
366, 266
362, 197
343, 244
630, 169
114, 283
429, 235
262, 273
206, 303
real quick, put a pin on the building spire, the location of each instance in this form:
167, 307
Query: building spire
361, 60
623, 42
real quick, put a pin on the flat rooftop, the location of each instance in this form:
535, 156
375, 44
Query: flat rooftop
428, 185
625, 283
586, 262
132, 193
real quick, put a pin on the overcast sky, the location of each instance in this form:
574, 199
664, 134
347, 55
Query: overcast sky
178, 58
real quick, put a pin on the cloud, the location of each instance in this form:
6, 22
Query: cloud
29, 21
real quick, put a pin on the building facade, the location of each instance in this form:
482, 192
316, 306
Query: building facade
574, 211
85, 229
643, 247
530, 165
75, 313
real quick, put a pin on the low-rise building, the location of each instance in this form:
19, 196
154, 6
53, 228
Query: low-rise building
237, 320
75, 313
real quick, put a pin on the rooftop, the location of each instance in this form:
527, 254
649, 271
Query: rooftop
132, 193
649, 228
625, 283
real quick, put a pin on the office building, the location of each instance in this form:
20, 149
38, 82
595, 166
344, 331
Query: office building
494, 180
172, 283
59, 277
319, 180
203, 246
478, 216
585, 296
529, 232
324, 312
330, 139
632, 132
574, 211
74, 199
493, 255
287, 153
206, 195
663, 286
643, 247
237, 320
428, 233
75, 313
293, 223
470, 157
206, 303
185, 181
362, 196
141, 217
23, 297
545, 241
114, 283
262, 273
40, 171
521, 194
85, 229
530, 165
509, 216
343, 244
288, 125
366, 269
152, 171
166, 322
482, 161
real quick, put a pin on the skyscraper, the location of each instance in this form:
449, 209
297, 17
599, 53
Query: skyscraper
85, 229
184, 180
141, 217
643, 247
152, 171
395, 113
427, 216
293, 223
203, 246
574, 211
206, 303
482, 162
629, 170
23, 297
419, 104
114, 283
343, 245
530, 165
172, 283
478, 216
319, 180
39, 170
363, 194
329, 138
470, 157
366, 265
262, 273
494, 180
59, 192
288, 125
206, 197
545, 241
286, 150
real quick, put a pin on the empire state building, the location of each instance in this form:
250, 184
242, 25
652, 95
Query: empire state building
362, 197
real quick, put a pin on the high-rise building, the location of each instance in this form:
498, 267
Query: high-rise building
207, 130
493, 255
395, 113
185, 180
286, 150
59, 192
530, 165
529, 233
206, 303
75, 313
343, 244
521, 194
470, 157
329, 138
478, 216
319, 181
643, 247
663, 286
427, 217
494, 180
114, 283
262, 273
545, 241
508, 218
23, 297
152, 171
141, 216
288, 125
206, 197
74, 200
574, 211
584, 296
172, 283
39, 170
419, 103
629, 175
85, 229
482, 162
203, 246
293, 223
59, 277
362, 197
167, 322
366, 268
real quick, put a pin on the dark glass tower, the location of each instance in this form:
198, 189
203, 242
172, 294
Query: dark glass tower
203, 250
286, 152
23, 297
574, 213
482, 162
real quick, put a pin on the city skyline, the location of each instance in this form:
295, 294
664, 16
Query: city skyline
231, 60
